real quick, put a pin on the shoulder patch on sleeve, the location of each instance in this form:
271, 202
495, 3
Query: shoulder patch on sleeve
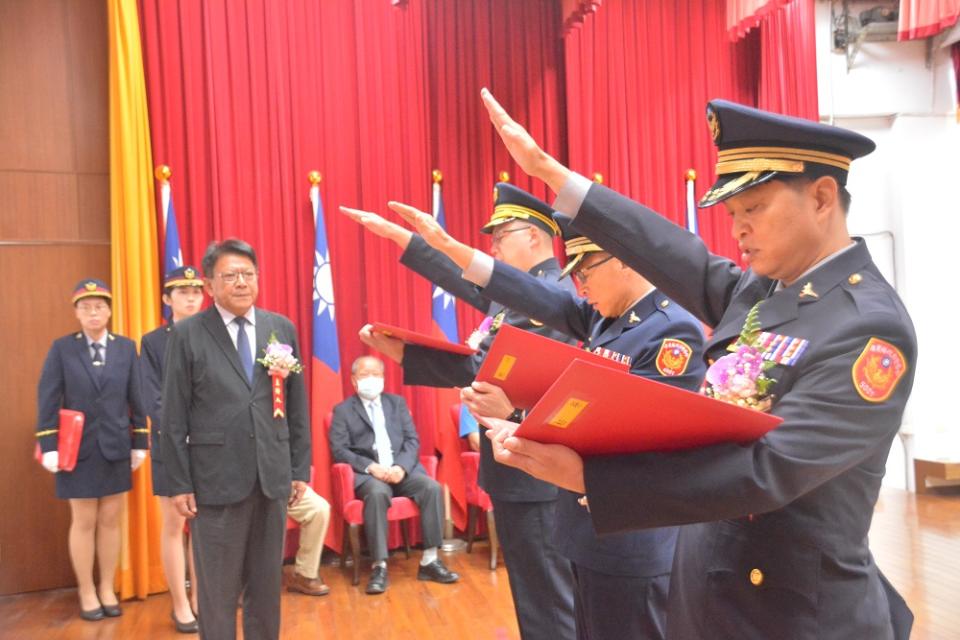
673, 358
877, 370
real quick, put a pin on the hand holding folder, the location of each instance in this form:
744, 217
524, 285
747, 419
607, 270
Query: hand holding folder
525, 364
422, 339
598, 410
68, 439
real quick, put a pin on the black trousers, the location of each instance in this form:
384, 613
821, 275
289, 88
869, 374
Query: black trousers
376, 495
612, 607
541, 579
239, 548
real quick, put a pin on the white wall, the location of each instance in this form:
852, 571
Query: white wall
909, 188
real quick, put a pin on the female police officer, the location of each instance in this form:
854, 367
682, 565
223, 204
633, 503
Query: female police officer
95, 372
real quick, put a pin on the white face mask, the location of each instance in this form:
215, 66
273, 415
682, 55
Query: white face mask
370, 387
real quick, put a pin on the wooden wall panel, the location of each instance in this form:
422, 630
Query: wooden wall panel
39, 206
54, 230
36, 131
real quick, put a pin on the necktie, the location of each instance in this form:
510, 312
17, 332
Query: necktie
381, 438
243, 348
97, 359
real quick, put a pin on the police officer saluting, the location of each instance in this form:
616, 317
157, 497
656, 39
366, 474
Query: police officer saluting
780, 549
621, 580
95, 372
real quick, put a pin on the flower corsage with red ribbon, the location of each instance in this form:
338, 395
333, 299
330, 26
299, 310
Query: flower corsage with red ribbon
740, 377
280, 362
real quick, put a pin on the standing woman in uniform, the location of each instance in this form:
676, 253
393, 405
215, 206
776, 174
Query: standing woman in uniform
95, 372
183, 293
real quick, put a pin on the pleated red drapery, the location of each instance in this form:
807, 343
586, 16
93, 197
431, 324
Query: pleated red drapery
788, 61
925, 18
638, 76
247, 97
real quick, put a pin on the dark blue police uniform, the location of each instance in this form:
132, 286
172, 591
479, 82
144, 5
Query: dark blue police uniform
110, 400
780, 549
622, 579
525, 508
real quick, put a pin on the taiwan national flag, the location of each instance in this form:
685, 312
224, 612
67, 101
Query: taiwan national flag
447, 438
172, 255
326, 388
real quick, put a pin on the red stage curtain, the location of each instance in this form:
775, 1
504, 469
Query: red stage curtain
247, 97
744, 15
788, 61
925, 18
638, 75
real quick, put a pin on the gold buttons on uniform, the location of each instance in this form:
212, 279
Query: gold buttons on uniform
664, 304
855, 278
756, 577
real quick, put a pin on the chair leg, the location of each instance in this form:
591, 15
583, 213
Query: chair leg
471, 526
494, 541
355, 549
405, 531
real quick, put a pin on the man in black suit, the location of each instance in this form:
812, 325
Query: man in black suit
374, 433
233, 464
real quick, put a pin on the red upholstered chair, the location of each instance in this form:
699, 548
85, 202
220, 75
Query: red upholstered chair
350, 508
477, 499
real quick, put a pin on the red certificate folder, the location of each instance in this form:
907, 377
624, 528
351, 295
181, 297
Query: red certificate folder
525, 364
68, 439
422, 339
596, 410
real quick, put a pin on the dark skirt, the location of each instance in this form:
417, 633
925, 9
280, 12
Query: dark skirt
161, 484
94, 477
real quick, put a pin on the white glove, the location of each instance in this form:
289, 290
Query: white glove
137, 456
51, 461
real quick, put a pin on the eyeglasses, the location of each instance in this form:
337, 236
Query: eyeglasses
583, 274
231, 277
498, 236
92, 308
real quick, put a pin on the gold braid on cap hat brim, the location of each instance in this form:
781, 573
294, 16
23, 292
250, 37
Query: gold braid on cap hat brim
577, 246
784, 159
184, 282
503, 211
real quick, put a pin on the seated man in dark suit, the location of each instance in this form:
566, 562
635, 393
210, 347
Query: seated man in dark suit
374, 433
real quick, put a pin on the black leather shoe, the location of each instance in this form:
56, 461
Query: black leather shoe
437, 572
185, 627
92, 615
378, 581
112, 610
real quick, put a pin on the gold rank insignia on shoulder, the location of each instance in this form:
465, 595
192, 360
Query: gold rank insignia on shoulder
808, 292
111, 336
78, 336
634, 318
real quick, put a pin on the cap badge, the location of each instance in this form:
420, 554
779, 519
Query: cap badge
90, 286
190, 274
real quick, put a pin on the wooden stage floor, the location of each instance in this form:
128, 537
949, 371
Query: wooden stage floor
916, 540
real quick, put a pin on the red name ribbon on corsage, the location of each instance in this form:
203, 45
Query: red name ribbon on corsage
278, 358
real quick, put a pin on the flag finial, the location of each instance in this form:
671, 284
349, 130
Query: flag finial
314, 177
598, 177
437, 176
163, 172
504, 176
691, 174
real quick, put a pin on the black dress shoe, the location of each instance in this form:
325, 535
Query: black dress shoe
437, 572
378, 581
185, 627
92, 615
112, 610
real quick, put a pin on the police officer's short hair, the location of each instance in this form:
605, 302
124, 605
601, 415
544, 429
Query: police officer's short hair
230, 246
813, 173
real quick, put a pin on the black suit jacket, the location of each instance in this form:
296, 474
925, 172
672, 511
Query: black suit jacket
113, 411
352, 440
219, 435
